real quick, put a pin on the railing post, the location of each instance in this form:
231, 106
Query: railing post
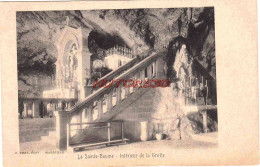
118, 94
62, 121
100, 106
160, 73
142, 76
68, 136
89, 112
109, 100
131, 89
149, 71
137, 77
127, 92
122, 130
80, 119
207, 94
108, 131
68, 105
154, 68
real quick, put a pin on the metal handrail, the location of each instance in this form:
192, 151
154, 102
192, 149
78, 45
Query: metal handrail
108, 127
83, 123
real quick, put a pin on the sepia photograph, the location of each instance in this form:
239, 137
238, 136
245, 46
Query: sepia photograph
129, 83
116, 79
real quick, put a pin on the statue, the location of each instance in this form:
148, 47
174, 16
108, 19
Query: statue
181, 60
182, 67
67, 20
73, 62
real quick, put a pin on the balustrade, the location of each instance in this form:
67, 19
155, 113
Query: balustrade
31, 106
123, 51
105, 98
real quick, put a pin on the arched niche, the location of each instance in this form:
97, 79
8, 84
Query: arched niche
73, 62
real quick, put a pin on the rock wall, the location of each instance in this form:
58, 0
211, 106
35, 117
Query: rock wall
141, 30
149, 114
158, 111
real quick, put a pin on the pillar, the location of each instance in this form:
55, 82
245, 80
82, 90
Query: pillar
79, 119
85, 63
109, 100
62, 122
25, 112
69, 105
154, 68
122, 130
89, 112
108, 131
160, 68
127, 92
149, 71
205, 122
142, 76
118, 94
137, 77
100, 106
35, 109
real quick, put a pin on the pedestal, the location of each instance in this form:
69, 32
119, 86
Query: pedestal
62, 120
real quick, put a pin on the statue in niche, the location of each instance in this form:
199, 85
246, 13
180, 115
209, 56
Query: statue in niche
182, 66
71, 67
73, 53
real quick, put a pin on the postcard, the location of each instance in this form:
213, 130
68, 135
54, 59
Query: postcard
129, 83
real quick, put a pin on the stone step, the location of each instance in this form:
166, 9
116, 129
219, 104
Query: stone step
35, 128
41, 132
24, 139
37, 146
22, 128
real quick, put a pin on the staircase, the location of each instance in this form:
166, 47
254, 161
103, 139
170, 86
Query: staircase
90, 120
98, 110
37, 134
34, 129
111, 114
108, 116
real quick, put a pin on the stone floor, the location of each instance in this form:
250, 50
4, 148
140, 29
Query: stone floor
207, 142
36, 146
163, 144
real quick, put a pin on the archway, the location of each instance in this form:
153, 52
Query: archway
72, 65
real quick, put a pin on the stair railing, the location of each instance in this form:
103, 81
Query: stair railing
113, 74
146, 69
105, 98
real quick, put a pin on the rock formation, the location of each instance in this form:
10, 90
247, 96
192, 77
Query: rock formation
141, 30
